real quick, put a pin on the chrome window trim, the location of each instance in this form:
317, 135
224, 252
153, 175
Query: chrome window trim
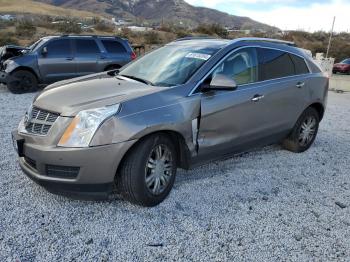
252, 46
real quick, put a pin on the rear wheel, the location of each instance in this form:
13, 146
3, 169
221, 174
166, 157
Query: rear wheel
22, 81
147, 175
304, 132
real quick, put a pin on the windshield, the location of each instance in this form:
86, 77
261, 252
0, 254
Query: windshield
346, 61
168, 66
34, 45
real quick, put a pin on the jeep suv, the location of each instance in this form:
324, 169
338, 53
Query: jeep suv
56, 58
184, 104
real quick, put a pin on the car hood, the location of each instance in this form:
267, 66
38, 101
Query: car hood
70, 97
10, 51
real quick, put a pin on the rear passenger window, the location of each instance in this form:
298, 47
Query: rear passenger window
59, 48
113, 47
274, 64
86, 46
300, 65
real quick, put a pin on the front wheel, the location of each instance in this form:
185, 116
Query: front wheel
22, 81
148, 172
304, 132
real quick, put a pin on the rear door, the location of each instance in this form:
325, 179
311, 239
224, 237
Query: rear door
58, 63
283, 80
87, 56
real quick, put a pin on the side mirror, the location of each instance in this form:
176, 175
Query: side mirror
222, 82
44, 51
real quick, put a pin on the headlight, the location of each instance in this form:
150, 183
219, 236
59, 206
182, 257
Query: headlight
22, 124
83, 127
9, 65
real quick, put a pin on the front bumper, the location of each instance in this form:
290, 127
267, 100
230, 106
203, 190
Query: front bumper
76, 172
341, 70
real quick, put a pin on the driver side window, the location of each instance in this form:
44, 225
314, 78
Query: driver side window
241, 66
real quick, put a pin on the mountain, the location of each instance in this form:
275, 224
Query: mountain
156, 11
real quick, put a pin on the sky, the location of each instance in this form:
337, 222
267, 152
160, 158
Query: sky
308, 15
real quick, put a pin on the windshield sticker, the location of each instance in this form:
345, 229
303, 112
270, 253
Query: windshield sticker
198, 56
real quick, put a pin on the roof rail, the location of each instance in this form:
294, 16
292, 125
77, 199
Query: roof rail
195, 38
101, 36
269, 40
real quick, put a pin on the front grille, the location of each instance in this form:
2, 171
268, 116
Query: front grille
62, 171
30, 162
40, 121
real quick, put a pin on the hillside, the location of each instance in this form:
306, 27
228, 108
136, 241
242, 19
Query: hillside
175, 11
37, 8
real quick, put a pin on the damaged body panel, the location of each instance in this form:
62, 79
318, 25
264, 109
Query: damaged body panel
9, 51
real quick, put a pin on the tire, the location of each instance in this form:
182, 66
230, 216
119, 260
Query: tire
112, 67
136, 170
304, 132
23, 81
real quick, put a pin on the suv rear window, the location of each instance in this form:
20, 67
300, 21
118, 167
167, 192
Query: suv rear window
274, 64
300, 66
86, 46
59, 48
113, 47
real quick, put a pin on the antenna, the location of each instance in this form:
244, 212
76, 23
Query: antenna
330, 38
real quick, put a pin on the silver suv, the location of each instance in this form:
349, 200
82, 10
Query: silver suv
187, 103
55, 58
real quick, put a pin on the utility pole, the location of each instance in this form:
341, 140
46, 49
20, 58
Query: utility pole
330, 38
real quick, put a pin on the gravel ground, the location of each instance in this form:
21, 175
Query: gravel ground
267, 205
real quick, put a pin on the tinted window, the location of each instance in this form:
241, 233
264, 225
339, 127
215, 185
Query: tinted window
113, 47
300, 65
240, 66
86, 46
346, 61
274, 64
59, 48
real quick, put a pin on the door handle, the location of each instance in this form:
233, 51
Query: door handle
300, 84
257, 98
70, 58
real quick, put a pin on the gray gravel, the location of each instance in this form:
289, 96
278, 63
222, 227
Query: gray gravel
267, 205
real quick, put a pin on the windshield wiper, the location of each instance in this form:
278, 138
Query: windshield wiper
139, 79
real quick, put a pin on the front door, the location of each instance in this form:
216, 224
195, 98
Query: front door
231, 118
57, 63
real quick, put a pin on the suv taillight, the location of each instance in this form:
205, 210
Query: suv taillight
133, 56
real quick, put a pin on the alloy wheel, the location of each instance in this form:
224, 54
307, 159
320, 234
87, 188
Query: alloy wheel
307, 130
159, 169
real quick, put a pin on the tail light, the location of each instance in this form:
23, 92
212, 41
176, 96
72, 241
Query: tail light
133, 56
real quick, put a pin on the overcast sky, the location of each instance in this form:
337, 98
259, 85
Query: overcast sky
309, 15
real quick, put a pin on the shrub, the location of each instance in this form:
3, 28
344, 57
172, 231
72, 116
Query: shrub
25, 29
212, 29
152, 38
70, 27
7, 39
104, 27
125, 33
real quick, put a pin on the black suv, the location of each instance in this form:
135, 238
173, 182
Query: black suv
56, 58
